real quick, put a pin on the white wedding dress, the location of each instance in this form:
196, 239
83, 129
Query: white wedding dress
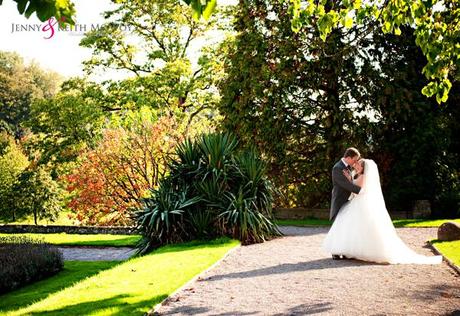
363, 229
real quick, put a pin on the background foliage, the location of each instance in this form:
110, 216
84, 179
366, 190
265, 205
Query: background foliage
303, 101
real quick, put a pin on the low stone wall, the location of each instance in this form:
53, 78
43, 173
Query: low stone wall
301, 213
53, 229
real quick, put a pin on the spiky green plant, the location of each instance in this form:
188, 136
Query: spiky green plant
212, 188
161, 221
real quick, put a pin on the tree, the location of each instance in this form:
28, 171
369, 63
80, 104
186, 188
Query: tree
302, 101
436, 25
20, 86
294, 98
12, 163
157, 55
410, 138
65, 125
37, 193
202, 8
111, 179
436, 30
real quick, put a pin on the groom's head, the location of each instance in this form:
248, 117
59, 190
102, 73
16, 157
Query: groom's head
351, 156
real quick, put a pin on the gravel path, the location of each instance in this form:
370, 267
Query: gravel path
96, 254
292, 276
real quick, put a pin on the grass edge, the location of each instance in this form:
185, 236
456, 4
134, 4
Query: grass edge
446, 259
154, 310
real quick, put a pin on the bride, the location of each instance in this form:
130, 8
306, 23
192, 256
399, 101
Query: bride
363, 229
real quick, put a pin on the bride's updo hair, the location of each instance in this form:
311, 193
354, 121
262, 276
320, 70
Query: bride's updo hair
363, 164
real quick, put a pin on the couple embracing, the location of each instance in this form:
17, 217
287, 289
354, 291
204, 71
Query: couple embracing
362, 228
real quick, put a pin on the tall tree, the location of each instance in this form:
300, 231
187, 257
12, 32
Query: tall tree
65, 125
157, 55
20, 86
12, 163
413, 136
436, 28
293, 96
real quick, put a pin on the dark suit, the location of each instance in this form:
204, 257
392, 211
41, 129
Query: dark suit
341, 190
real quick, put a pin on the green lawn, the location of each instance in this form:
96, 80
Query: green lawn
64, 239
128, 288
450, 249
73, 272
397, 222
422, 222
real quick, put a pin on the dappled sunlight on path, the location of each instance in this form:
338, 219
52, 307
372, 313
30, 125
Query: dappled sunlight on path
293, 276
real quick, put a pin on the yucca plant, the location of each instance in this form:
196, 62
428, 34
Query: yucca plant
211, 189
244, 221
188, 161
161, 221
203, 223
251, 172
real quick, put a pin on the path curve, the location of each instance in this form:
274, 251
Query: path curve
96, 253
292, 276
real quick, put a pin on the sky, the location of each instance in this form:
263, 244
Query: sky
61, 52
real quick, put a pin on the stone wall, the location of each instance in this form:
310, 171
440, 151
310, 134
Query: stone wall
301, 213
52, 229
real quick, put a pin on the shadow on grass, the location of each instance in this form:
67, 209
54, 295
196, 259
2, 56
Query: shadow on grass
116, 304
73, 272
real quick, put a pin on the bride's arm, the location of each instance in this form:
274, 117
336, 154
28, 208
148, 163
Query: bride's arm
339, 178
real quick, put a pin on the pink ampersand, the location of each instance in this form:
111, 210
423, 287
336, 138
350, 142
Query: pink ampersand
49, 26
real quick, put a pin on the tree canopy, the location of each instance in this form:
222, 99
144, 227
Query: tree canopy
62, 10
436, 25
301, 101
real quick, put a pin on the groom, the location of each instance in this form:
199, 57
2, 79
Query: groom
342, 187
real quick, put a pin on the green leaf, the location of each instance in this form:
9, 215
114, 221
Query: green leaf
386, 27
45, 12
348, 22
209, 9
356, 4
30, 9
430, 89
22, 5
197, 9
